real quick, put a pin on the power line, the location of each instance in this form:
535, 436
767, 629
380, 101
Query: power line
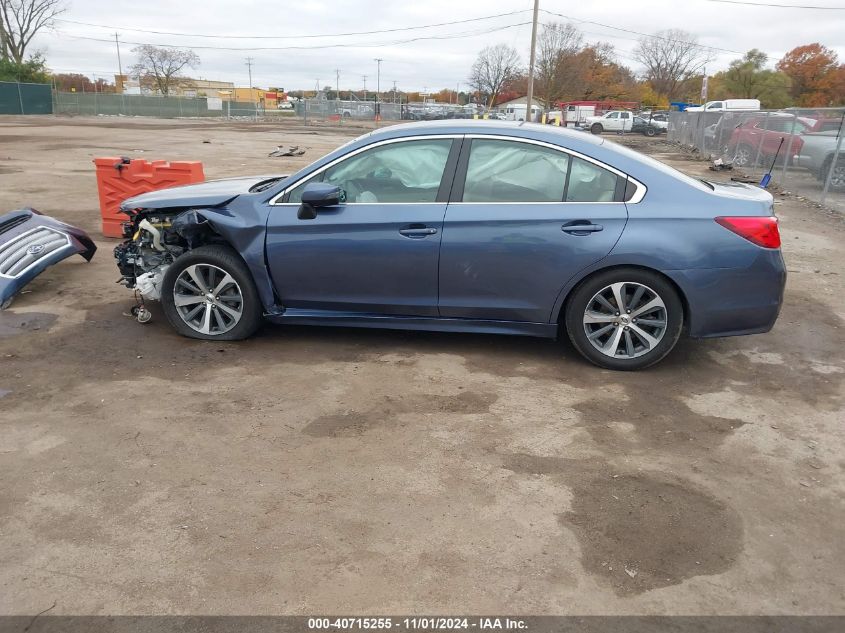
651, 35
296, 37
779, 6
314, 47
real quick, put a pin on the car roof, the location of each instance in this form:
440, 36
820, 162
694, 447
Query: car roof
517, 129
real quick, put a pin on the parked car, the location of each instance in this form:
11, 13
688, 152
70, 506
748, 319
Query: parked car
466, 226
657, 119
816, 154
613, 121
641, 126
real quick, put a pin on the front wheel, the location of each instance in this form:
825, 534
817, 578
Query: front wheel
624, 319
208, 293
596, 128
650, 131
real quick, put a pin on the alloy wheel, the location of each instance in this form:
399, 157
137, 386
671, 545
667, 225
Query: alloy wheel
625, 320
208, 299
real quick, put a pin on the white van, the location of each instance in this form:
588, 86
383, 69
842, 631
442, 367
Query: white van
729, 105
517, 111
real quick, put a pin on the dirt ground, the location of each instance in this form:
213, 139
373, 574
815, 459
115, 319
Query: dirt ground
311, 470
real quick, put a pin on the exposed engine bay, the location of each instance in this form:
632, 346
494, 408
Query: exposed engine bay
155, 239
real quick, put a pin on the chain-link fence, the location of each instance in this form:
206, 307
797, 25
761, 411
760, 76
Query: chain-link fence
802, 147
339, 111
94, 104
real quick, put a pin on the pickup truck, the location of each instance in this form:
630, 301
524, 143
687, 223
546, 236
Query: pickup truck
621, 121
613, 121
816, 154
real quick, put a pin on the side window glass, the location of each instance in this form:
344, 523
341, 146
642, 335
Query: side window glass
408, 171
590, 183
510, 171
626, 115
613, 115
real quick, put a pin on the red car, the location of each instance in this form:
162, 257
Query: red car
761, 135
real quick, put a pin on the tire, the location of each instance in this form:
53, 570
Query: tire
631, 351
745, 155
596, 128
837, 180
215, 320
650, 131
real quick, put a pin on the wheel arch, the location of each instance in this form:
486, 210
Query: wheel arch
578, 281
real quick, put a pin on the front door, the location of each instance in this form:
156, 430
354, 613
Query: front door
377, 253
525, 219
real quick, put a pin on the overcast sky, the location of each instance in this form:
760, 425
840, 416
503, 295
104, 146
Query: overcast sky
425, 63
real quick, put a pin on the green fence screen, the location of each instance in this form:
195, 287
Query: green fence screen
17, 98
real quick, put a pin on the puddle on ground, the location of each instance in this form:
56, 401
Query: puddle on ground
639, 531
12, 324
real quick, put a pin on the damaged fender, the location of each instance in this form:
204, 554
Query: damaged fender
30, 243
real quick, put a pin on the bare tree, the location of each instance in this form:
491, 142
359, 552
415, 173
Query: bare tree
671, 58
557, 46
20, 21
494, 67
163, 65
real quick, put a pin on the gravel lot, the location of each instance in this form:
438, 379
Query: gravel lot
356, 471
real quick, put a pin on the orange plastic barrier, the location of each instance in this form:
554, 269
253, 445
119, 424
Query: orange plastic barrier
122, 178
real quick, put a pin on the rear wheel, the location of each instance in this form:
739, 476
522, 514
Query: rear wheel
837, 178
624, 319
744, 156
208, 293
596, 128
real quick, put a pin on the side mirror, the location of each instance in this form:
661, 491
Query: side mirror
317, 195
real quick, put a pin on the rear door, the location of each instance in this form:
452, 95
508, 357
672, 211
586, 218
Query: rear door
524, 217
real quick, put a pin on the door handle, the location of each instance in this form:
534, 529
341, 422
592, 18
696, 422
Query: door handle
417, 230
581, 227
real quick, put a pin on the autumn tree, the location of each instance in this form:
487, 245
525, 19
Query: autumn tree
20, 21
557, 46
602, 78
493, 68
817, 77
671, 58
163, 65
748, 78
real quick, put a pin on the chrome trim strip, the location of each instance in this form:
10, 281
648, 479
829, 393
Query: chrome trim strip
8, 247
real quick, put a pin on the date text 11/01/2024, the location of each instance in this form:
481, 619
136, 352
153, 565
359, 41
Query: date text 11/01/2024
417, 624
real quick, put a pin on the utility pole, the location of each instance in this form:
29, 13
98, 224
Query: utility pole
119, 65
378, 61
394, 91
364, 77
249, 61
529, 111
337, 83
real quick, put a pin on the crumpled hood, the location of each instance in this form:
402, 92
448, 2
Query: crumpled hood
211, 193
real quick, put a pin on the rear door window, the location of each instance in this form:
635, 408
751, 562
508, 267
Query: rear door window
510, 171
513, 171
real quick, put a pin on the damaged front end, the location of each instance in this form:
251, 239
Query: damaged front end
156, 237
31, 242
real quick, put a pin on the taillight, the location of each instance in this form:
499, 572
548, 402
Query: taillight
760, 230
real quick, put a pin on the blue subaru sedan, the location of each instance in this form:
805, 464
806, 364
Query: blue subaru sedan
467, 226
